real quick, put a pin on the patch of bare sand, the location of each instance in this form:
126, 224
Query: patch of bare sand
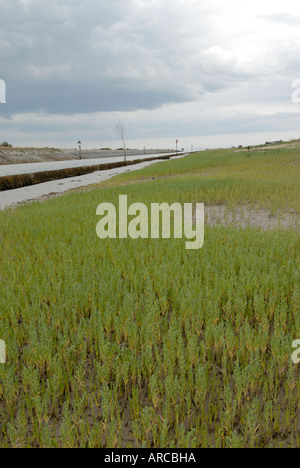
244, 217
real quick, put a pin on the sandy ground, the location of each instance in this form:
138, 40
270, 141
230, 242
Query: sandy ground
244, 217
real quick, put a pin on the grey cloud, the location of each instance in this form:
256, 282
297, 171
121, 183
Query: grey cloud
66, 57
56, 98
75, 56
72, 56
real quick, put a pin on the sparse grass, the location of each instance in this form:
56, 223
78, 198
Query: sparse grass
125, 343
267, 179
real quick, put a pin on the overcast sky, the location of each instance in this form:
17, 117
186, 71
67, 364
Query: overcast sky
208, 72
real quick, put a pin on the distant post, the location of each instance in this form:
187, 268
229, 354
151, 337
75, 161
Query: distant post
121, 132
176, 146
79, 143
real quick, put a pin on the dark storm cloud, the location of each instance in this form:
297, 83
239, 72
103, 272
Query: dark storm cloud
75, 56
59, 97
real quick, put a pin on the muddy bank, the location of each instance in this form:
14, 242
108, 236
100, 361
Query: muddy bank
40, 155
55, 188
25, 180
